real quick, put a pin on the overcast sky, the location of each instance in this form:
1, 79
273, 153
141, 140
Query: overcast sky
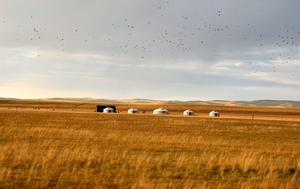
157, 49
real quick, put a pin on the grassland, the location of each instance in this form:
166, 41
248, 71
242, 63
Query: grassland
56, 145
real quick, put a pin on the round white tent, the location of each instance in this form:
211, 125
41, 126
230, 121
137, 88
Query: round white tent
160, 111
108, 110
133, 111
188, 113
214, 114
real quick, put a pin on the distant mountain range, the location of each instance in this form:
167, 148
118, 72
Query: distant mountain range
271, 103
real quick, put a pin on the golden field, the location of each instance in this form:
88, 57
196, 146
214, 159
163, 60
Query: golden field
67, 145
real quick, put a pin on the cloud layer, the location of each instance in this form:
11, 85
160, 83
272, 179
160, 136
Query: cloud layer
150, 49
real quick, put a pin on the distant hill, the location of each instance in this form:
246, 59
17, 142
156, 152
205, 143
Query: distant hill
80, 99
3, 98
270, 103
279, 103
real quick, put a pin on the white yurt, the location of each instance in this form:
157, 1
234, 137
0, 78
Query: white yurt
160, 111
188, 113
133, 111
108, 110
214, 114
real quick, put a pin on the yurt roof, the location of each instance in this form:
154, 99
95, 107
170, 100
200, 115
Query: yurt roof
108, 108
132, 110
160, 109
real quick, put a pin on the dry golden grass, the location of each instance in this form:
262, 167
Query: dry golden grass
56, 149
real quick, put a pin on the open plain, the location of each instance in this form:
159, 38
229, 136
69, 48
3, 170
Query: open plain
55, 144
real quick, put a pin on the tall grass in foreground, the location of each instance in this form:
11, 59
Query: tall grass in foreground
68, 150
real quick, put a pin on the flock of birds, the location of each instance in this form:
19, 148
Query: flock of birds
186, 40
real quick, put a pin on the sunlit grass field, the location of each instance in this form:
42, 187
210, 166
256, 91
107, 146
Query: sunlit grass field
73, 149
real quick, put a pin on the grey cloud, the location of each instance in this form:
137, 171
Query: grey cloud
177, 27
141, 40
